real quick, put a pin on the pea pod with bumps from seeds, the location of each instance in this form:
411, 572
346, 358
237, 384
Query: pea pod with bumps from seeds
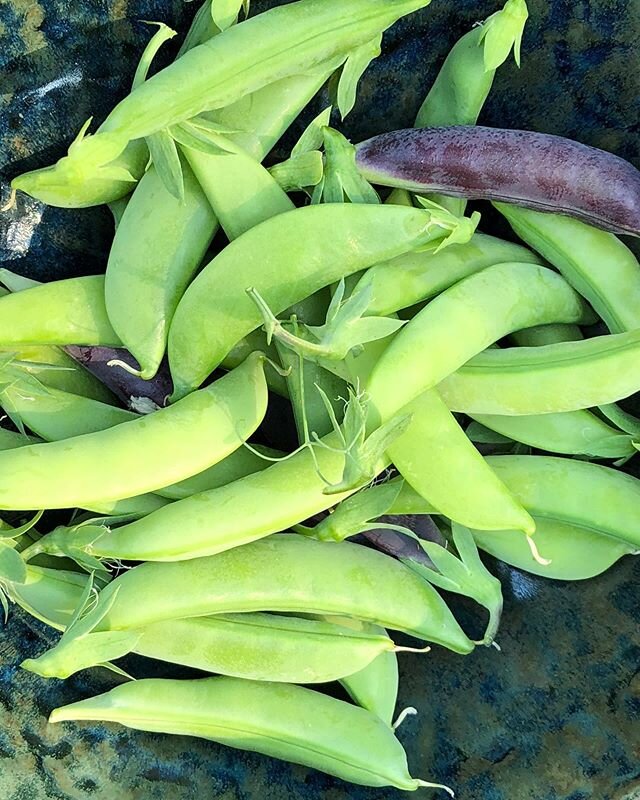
280, 720
113, 464
548, 379
585, 515
285, 573
287, 258
56, 415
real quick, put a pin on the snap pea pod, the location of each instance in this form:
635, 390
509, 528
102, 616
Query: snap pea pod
279, 720
114, 464
162, 238
61, 312
463, 321
586, 514
595, 262
578, 432
283, 41
285, 572
575, 552
256, 340
282, 495
415, 277
465, 79
56, 415
264, 647
286, 258
256, 646
432, 455
56, 369
540, 380
575, 492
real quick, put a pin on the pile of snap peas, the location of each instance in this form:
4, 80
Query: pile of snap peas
439, 380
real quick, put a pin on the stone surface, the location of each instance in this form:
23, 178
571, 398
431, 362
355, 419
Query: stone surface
554, 716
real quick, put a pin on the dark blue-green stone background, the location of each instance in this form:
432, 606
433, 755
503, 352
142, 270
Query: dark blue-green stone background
554, 716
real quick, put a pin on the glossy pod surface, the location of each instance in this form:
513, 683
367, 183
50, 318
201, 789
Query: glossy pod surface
538, 170
279, 720
115, 463
547, 379
286, 258
287, 573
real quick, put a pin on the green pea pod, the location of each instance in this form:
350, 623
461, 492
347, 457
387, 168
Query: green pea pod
282, 41
293, 490
61, 312
466, 77
574, 552
434, 453
595, 262
287, 573
575, 492
463, 321
278, 43
571, 432
285, 266
11, 439
264, 647
540, 335
55, 415
141, 455
540, 380
415, 277
279, 720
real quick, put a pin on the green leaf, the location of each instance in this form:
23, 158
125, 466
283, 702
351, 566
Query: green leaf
162, 35
12, 566
199, 139
343, 181
312, 137
353, 70
225, 12
503, 31
165, 158
352, 515
299, 172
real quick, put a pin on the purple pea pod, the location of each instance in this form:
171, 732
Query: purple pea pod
535, 170
137, 394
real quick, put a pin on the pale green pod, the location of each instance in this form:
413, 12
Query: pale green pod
415, 277
463, 321
265, 647
540, 335
576, 492
279, 720
574, 552
595, 262
63, 312
578, 432
541, 380
11, 439
286, 573
142, 455
286, 258
50, 595
284, 494
441, 464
